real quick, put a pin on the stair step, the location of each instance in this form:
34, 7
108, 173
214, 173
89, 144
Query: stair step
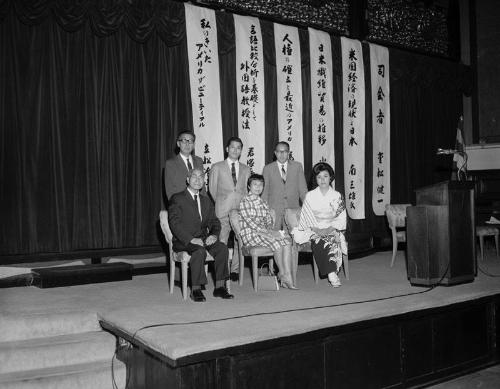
29, 326
58, 350
95, 375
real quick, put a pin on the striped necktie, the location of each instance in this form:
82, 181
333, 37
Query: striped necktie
190, 167
233, 173
283, 174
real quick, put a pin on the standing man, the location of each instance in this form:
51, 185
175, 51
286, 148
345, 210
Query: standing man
195, 229
227, 185
284, 183
177, 167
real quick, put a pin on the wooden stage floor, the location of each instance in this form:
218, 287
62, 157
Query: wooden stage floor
375, 331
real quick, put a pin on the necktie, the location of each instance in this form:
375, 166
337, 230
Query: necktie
233, 173
283, 174
190, 167
197, 205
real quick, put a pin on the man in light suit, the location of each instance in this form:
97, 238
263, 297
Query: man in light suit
177, 168
227, 185
195, 229
284, 184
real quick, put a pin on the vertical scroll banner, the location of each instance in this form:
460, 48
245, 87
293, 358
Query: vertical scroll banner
321, 97
379, 71
250, 90
353, 93
289, 89
203, 56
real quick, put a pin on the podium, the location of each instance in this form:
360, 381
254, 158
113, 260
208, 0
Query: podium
440, 234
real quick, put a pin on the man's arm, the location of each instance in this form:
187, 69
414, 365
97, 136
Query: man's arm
302, 183
212, 181
267, 183
176, 221
213, 221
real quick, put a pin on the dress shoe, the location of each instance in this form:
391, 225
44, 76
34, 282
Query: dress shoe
197, 296
222, 293
287, 284
235, 277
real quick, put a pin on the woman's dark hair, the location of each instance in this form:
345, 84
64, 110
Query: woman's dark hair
318, 168
255, 177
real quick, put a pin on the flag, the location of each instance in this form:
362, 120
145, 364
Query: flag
460, 157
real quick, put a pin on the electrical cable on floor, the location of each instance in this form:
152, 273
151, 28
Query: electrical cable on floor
273, 313
487, 273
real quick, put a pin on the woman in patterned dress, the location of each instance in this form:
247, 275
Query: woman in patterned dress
323, 217
256, 229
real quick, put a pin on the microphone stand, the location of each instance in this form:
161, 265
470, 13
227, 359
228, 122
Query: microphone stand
462, 169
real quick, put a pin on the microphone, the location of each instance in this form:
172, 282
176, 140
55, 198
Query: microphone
441, 151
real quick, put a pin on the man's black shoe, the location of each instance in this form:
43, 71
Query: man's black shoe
235, 277
197, 295
222, 293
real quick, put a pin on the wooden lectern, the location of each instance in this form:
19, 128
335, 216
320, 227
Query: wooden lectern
440, 234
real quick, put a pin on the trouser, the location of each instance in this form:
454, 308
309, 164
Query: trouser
218, 251
225, 230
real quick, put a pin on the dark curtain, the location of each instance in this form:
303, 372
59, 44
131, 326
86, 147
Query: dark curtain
91, 98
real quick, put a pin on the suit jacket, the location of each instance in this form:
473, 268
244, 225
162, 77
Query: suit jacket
184, 219
176, 172
221, 187
278, 195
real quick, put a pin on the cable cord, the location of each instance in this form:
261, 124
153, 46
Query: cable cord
271, 313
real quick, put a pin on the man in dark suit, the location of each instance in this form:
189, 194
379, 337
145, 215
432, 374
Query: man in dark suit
285, 183
177, 167
195, 229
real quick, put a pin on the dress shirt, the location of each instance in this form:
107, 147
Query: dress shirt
192, 193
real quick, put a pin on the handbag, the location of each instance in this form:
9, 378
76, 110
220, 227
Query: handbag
267, 280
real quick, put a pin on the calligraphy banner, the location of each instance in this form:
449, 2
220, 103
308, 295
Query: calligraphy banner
321, 97
250, 90
353, 93
289, 89
203, 56
379, 71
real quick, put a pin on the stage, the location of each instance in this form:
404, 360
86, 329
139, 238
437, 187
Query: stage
317, 337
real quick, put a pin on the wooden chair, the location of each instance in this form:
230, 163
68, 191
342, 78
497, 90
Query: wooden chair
481, 232
396, 217
181, 257
292, 216
254, 251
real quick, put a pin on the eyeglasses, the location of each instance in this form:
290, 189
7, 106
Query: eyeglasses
186, 141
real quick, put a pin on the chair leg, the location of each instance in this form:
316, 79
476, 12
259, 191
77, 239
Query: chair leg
394, 246
315, 271
345, 261
255, 274
481, 247
184, 276
242, 262
172, 273
496, 245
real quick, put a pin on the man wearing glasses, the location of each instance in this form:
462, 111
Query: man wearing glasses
177, 167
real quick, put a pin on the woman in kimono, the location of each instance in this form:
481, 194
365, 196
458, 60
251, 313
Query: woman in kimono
323, 222
256, 229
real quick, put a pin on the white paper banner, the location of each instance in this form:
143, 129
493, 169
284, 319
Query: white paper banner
250, 90
289, 89
379, 71
353, 93
203, 55
321, 97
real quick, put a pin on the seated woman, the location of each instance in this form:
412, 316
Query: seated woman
323, 221
256, 229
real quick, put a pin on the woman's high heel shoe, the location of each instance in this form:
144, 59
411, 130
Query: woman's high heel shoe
287, 284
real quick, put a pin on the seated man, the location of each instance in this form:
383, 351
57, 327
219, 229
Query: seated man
195, 229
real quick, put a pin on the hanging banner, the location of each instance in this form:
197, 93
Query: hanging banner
353, 94
321, 97
201, 34
381, 120
289, 89
250, 90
